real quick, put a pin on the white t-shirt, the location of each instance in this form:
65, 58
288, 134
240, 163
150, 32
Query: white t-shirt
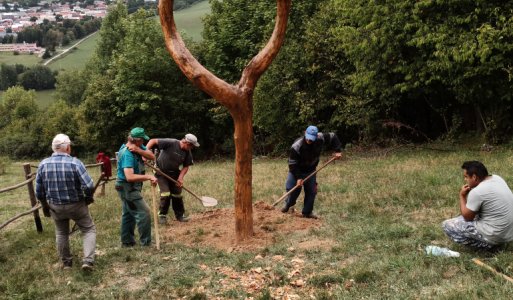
492, 200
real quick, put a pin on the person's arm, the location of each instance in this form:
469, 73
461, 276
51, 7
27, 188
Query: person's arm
183, 171
41, 195
334, 144
467, 214
152, 143
85, 180
146, 153
294, 158
132, 177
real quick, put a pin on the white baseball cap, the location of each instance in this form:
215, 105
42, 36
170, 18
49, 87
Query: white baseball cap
61, 139
192, 139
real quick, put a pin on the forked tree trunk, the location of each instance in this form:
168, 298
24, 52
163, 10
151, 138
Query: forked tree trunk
237, 98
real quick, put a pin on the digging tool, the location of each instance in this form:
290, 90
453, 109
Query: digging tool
205, 201
308, 177
482, 264
155, 215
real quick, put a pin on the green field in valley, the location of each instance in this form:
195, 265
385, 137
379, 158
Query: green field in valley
189, 20
77, 57
24, 59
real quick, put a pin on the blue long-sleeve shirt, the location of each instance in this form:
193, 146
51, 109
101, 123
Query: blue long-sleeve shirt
62, 179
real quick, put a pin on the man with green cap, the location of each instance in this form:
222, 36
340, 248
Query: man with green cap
130, 175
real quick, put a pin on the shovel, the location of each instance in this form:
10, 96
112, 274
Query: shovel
205, 201
308, 177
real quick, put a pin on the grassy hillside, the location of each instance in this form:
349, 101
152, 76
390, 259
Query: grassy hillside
77, 57
378, 212
189, 20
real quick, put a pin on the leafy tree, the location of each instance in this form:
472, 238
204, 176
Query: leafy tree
8, 76
52, 39
38, 78
142, 86
71, 86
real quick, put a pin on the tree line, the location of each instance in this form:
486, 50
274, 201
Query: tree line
52, 34
373, 72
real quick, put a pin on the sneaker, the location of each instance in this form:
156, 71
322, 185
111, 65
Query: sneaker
162, 219
67, 265
311, 216
182, 219
285, 209
87, 266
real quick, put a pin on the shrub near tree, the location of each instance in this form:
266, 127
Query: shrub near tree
135, 83
38, 78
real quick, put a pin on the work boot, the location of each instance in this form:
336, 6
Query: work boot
311, 216
162, 219
285, 209
182, 218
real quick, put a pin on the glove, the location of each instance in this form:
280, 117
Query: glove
46, 209
89, 200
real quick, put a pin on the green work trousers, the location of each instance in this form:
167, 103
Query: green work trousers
135, 212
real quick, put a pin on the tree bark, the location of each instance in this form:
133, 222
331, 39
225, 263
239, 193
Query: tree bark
238, 99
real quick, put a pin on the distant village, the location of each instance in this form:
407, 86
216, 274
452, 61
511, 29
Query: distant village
14, 19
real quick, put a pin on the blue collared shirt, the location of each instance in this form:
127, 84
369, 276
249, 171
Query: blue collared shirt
62, 179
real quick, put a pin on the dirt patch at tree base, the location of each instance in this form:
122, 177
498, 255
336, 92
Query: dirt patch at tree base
216, 228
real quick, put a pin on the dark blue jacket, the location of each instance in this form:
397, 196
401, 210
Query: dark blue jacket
304, 157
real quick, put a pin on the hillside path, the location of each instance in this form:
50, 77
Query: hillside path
68, 49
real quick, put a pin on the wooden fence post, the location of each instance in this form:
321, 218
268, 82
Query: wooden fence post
32, 195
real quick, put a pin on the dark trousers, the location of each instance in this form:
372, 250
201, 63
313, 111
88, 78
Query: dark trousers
310, 187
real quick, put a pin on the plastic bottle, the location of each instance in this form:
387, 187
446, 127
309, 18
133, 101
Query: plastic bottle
439, 251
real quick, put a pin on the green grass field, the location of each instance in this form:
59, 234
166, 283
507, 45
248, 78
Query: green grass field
77, 57
24, 59
379, 209
189, 20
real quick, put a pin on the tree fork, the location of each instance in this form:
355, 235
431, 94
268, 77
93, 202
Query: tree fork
238, 99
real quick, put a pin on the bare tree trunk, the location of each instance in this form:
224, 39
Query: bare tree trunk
237, 98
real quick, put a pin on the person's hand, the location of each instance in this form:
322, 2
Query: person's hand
337, 155
299, 182
153, 179
465, 189
179, 182
133, 147
89, 200
46, 209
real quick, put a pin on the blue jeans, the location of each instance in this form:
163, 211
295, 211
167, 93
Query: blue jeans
310, 187
134, 212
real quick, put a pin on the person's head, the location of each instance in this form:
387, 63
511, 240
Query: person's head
474, 172
61, 143
137, 136
189, 141
311, 134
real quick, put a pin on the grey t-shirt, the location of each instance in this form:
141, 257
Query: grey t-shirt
172, 156
493, 201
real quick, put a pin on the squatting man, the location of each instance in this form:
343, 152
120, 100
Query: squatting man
486, 206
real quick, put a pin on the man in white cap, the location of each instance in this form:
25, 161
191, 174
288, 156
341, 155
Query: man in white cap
63, 187
303, 160
172, 154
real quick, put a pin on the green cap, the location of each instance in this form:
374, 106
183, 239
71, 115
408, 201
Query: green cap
138, 132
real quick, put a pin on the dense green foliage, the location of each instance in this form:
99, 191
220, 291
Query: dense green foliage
417, 70
51, 34
134, 82
371, 71
37, 78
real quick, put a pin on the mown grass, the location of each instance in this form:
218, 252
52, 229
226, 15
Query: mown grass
189, 20
77, 57
378, 212
24, 59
